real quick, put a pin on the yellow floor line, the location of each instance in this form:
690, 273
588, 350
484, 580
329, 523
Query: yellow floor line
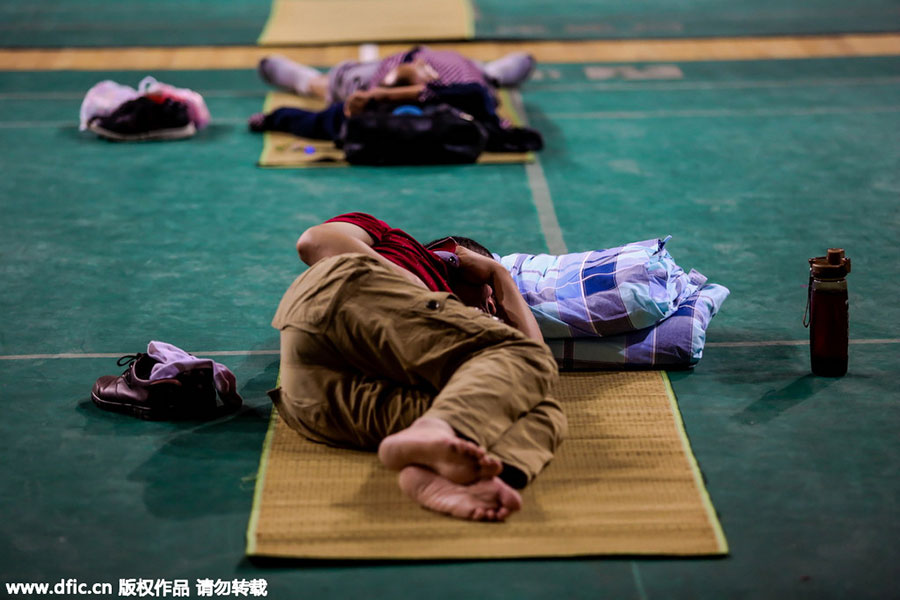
245, 57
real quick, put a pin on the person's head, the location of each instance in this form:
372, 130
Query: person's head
409, 73
479, 295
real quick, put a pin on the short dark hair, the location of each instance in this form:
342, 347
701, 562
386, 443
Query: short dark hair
465, 242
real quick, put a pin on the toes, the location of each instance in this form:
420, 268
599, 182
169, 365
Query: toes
467, 448
510, 498
489, 466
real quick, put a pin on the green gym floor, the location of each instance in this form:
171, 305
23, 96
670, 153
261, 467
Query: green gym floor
67, 23
752, 166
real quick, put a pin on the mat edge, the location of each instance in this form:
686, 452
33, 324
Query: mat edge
469, 9
711, 514
250, 546
265, 30
274, 555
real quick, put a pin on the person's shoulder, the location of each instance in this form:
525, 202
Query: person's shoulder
353, 216
373, 226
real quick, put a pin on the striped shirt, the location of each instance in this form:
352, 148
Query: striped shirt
451, 67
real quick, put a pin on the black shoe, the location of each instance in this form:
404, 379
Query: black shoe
189, 395
145, 119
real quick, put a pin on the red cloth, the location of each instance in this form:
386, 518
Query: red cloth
401, 249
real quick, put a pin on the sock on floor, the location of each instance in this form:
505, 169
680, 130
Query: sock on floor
286, 74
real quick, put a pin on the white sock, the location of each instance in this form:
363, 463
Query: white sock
286, 74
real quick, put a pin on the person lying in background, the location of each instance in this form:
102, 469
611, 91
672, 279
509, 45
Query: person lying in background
413, 81
446, 67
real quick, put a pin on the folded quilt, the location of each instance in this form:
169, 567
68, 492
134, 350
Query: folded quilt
603, 292
629, 306
675, 342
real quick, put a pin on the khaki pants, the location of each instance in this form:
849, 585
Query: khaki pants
364, 353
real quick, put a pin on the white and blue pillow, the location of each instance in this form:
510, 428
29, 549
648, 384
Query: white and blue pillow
620, 307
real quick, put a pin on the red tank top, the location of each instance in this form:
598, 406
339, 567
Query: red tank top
401, 249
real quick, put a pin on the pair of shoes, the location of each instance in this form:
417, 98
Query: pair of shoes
145, 118
510, 70
284, 73
189, 395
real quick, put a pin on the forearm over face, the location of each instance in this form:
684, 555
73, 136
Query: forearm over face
358, 101
517, 312
478, 269
408, 93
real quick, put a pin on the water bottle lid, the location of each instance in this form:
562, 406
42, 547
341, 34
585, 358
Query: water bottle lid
831, 266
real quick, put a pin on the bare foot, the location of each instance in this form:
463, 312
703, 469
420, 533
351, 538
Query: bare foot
255, 122
432, 443
485, 500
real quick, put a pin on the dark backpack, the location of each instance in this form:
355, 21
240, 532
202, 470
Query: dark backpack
440, 135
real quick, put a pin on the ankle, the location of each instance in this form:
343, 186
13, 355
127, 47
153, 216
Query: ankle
414, 481
513, 477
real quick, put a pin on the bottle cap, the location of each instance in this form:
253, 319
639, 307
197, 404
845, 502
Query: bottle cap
831, 266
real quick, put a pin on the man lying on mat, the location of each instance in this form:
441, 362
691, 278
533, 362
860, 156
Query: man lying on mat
431, 357
341, 82
411, 81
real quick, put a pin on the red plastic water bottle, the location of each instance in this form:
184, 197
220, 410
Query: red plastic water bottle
829, 314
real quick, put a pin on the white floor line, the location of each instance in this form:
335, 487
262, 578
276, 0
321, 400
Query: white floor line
793, 343
73, 123
670, 86
25, 124
638, 581
726, 112
200, 353
206, 353
540, 193
80, 95
548, 86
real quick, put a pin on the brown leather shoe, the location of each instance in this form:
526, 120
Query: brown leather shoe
189, 395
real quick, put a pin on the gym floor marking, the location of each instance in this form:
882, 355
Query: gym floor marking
727, 112
540, 191
204, 353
